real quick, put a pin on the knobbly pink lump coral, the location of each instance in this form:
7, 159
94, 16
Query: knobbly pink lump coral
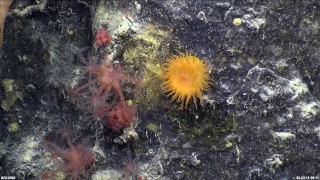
102, 37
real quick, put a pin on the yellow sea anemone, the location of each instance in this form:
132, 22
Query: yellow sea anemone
185, 77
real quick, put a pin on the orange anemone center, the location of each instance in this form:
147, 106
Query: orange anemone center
185, 77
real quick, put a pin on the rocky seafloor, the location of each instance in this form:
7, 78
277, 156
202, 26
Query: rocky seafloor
259, 121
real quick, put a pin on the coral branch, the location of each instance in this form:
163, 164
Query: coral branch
4, 8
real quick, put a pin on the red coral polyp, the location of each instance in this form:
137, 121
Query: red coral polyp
121, 116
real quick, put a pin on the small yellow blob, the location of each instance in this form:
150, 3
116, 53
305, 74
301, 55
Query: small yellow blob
237, 22
8, 85
129, 103
152, 127
229, 145
13, 127
27, 156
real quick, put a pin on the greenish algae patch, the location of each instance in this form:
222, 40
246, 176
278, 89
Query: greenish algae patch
11, 96
147, 51
207, 128
13, 127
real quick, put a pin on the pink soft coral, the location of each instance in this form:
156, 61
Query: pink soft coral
77, 159
108, 77
103, 95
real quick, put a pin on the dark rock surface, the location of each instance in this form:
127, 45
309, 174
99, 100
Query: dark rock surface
260, 120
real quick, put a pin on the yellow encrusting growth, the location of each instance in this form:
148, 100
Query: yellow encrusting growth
185, 77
